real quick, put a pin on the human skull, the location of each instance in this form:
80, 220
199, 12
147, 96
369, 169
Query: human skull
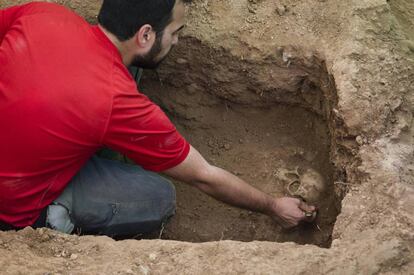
311, 186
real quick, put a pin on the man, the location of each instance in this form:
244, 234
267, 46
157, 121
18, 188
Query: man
65, 92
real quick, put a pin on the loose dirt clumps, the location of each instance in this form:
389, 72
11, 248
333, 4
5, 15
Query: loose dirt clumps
264, 88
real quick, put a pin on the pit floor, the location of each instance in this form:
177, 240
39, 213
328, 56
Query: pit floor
259, 145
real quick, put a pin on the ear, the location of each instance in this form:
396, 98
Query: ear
145, 37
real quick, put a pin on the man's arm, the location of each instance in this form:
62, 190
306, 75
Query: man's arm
228, 188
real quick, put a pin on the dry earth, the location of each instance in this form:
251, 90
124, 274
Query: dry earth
262, 87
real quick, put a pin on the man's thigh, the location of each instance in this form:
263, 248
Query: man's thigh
115, 199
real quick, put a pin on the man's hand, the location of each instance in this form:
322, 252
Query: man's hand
290, 212
228, 188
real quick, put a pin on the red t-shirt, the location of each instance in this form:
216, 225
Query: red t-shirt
65, 93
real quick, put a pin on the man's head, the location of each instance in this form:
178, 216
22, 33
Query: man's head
146, 30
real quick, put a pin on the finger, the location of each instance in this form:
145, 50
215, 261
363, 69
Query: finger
306, 208
310, 216
309, 212
299, 197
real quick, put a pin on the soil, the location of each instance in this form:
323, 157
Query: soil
261, 147
260, 142
263, 88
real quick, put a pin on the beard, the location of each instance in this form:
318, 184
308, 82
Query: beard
151, 60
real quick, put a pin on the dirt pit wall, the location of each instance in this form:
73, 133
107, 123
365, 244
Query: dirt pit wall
270, 121
264, 85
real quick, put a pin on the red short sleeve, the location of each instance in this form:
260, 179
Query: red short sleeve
142, 131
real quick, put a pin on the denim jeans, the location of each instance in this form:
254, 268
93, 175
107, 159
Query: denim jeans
112, 198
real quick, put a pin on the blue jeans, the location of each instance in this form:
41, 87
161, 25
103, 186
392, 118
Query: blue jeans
112, 198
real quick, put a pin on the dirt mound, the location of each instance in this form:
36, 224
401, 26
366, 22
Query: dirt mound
266, 88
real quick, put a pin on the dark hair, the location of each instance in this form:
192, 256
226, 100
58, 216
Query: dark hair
123, 18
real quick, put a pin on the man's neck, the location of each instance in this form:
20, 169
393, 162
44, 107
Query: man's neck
122, 47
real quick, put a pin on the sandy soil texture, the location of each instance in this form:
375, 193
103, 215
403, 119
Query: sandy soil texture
267, 88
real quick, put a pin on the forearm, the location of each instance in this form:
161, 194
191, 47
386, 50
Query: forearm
232, 190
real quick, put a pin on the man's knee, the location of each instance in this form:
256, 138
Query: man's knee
167, 195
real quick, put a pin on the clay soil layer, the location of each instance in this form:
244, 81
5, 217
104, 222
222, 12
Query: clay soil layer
264, 88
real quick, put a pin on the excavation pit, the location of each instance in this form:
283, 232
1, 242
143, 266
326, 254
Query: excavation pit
261, 121
235, 53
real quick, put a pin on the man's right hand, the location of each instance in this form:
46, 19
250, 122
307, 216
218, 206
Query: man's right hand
290, 212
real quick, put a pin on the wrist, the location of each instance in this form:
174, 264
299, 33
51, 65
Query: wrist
272, 208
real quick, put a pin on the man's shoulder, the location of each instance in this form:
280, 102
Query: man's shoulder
123, 80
